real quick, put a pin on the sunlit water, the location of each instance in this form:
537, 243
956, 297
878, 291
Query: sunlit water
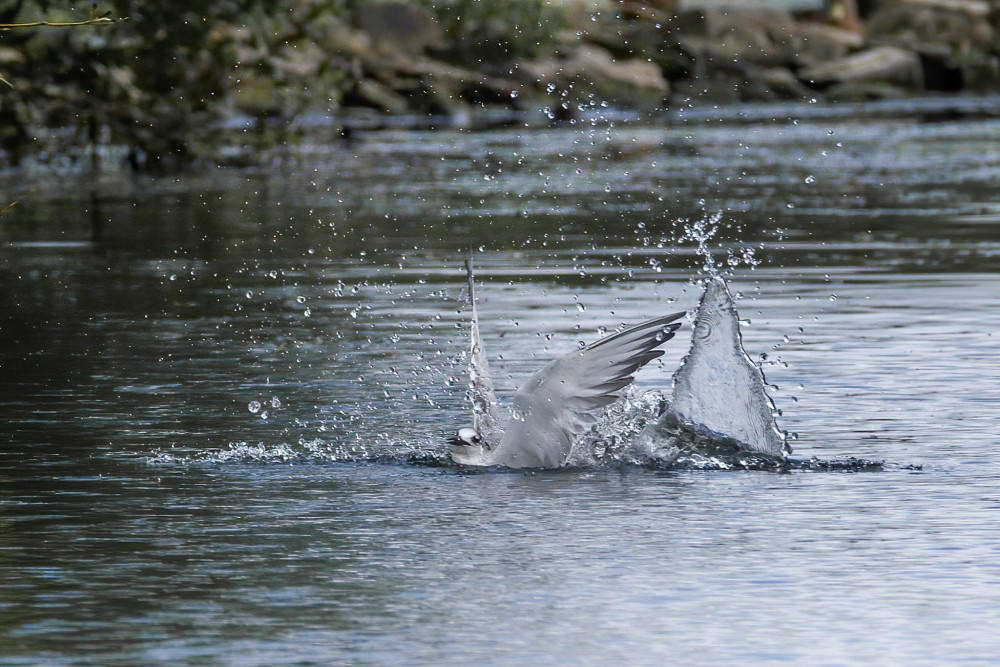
225, 399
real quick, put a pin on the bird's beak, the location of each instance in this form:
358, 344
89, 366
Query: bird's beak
455, 441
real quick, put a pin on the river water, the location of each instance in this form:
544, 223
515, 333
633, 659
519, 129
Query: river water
225, 397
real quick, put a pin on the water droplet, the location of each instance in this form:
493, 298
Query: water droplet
253, 406
307, 312
580, 307
810, 179
300, 299
275, 402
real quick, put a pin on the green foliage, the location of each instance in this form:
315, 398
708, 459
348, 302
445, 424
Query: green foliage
149, 83
159, 81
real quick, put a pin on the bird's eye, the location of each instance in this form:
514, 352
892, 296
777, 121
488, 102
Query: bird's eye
476, 439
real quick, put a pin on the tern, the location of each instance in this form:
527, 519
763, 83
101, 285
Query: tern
558, 402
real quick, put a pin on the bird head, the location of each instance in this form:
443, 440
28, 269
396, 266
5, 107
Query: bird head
467, 447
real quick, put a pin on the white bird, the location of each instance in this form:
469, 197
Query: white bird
558, 402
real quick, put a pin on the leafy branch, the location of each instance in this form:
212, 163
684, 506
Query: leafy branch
10, 207
98, 20
102, 18
95, 19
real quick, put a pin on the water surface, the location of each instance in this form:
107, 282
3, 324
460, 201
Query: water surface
225, 396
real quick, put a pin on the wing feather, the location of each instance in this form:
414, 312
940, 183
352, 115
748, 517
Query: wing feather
485, 408
558, 402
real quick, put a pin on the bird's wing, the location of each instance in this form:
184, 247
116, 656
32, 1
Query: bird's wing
485, 408
558, 402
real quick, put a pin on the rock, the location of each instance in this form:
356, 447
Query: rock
336, 37
398, 27
973, 8
9, 56
933, 27
746, 84
710, 88
760, 36
638, 37
630, 10
491, 90
956, 43
485, 46
844, 14
374, 95
863, 91
819, 43
589, 74
460, 84
299, 61
886, 64
257, 96
779, 83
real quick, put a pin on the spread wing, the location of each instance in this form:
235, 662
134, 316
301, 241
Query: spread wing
558, 402
485, 409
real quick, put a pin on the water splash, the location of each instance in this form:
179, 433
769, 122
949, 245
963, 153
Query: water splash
308, 452
620, 437
613, 439
704, 234
701, 232
719, 395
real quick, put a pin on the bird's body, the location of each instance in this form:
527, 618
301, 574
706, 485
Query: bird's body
558, 402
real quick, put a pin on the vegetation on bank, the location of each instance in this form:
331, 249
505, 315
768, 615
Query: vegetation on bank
160, 81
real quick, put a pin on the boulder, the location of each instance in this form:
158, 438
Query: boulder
298, 61
459, 83
336, 37
864, 91
760, 36
589, 74
638, 36
933, 27
887, 64
742, 84
778, 83
954, 38
714, 87
374, 95
9, 56
820, 43
398, 27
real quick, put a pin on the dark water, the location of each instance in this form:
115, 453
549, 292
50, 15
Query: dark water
223, 396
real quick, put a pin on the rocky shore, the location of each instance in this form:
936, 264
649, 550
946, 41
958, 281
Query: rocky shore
394, 59
649, 56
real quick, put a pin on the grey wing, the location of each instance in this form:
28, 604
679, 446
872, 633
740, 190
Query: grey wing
558, 402
485, 408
